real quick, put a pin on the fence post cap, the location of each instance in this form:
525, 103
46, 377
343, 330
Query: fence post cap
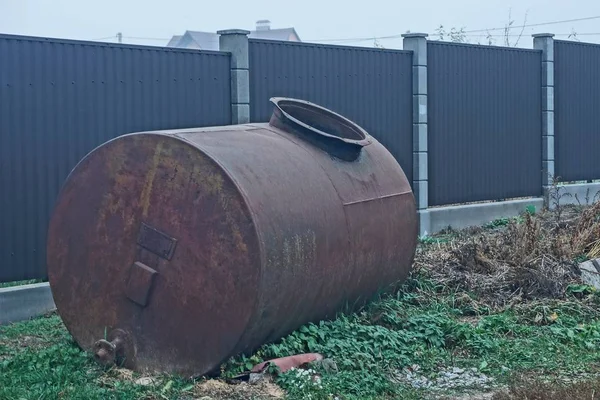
233, 32
414, 35
542, 35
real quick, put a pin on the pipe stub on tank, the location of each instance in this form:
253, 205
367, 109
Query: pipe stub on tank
320, 126
117, 348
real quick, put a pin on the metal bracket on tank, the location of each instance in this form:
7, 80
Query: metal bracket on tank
156, 241
139, 284
141, 276
319, 126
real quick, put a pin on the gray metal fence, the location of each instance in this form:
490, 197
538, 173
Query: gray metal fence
576, 110
373, 87
59, 99
484, 123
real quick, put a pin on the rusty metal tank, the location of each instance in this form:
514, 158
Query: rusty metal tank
171, 251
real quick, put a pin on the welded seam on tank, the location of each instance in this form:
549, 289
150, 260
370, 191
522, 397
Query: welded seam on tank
378, 198
257, 231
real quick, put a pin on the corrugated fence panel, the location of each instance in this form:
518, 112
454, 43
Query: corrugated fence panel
372, 87
484, 123
576, 110
60, 99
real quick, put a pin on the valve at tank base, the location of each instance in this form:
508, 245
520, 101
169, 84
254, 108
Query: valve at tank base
108, 353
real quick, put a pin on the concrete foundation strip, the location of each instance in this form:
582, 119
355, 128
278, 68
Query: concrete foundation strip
20, 303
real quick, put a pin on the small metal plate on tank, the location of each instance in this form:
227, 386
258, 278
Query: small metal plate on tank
140, 282
157, 242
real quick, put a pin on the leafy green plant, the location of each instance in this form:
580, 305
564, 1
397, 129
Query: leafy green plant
580, 290
303, 384
502, 222
497, 223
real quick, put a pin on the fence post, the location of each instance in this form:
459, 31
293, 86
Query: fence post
545, 43
235, 42
417, 43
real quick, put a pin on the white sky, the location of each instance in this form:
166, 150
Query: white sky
313, 19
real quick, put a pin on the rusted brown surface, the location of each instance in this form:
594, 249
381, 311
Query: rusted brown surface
200, 244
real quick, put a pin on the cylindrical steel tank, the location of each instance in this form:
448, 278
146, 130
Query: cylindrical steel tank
170, 251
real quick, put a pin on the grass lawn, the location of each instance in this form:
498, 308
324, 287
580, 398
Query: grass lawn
19, 283
498, 312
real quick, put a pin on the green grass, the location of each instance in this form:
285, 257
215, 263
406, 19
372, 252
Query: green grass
424, 324
19, 283
39, 360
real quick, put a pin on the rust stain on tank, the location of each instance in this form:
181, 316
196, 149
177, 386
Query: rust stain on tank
149, 182
190, 246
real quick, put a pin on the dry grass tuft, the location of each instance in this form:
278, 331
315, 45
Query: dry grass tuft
534, 258
526, 389
216, 389
587, 232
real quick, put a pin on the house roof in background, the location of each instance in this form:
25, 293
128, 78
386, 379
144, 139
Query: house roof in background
174, 40
274, 34
205, 40
210, 40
